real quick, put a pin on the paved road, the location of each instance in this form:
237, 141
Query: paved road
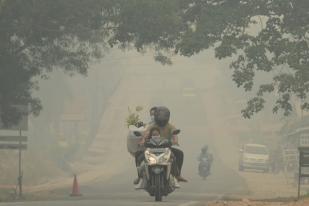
103, 202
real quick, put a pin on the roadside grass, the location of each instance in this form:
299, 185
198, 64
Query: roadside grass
8, 194
11, 195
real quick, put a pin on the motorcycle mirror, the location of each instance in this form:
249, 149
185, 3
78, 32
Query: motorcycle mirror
137, 133
177, 131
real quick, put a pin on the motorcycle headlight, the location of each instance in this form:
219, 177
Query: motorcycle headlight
150, 158
165, 157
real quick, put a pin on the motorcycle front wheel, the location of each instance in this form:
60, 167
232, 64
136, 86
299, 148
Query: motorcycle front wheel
158, 193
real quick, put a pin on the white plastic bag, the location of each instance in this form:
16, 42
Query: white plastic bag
133, 141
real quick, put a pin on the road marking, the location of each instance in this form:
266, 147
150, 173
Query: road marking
189, 95
191, 203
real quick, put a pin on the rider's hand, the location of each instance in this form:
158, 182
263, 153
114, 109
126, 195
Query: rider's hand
175, 140
142, 141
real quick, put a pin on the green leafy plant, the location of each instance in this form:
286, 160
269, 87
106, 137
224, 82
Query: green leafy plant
133, 117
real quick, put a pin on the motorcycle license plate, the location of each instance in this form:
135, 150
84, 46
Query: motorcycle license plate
157, 150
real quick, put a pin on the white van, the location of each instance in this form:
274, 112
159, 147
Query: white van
254, 156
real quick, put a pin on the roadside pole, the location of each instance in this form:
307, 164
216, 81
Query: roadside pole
299, 177
303, 163
20, 175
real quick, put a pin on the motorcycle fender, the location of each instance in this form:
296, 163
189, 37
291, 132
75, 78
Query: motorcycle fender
157, 170
147, 171
168, 172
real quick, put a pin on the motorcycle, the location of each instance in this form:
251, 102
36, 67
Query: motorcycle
156, 169
204, 167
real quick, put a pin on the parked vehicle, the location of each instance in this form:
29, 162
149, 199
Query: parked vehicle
254, 156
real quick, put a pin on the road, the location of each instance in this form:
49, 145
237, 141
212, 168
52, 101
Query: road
106, 177
137, 202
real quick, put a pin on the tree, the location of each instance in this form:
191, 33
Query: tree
278, 48
38, 36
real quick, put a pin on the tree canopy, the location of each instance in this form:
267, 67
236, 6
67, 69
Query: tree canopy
38, 36
279, 48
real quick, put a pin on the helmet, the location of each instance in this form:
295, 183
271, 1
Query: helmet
152, 109
162, 116
204, 149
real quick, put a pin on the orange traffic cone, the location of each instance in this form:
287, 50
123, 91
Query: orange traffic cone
75, 188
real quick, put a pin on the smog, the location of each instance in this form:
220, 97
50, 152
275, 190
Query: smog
86, 137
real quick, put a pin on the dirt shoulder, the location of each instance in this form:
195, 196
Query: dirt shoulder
246, 202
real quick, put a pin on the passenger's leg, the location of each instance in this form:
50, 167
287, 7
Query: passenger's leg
179, 161
139, 157
179, 158
174, 169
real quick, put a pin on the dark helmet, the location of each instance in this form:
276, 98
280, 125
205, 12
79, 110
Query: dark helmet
204, 149
162, 116
152, 110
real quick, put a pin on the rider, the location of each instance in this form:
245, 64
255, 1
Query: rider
162, 116
205, 154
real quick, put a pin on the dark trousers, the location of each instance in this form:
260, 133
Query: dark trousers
139, 158
179, 158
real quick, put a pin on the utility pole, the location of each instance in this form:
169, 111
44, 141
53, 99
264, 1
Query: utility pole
20, 175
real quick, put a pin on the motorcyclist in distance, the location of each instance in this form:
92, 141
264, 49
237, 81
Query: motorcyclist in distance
205, 154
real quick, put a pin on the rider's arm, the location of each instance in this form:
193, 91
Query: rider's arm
174, 137
175, 140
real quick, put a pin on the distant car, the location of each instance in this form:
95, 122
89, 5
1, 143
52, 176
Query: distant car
254, 156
